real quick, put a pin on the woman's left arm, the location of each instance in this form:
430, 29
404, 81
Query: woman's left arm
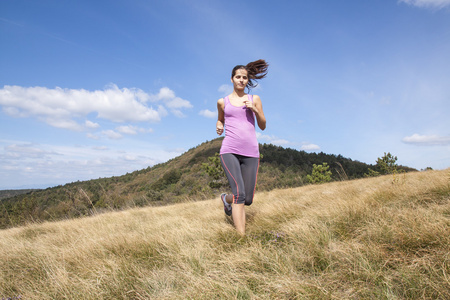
257, 108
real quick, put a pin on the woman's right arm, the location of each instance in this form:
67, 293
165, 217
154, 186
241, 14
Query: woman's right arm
221, 116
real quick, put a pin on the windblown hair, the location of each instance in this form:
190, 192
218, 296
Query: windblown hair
255, 70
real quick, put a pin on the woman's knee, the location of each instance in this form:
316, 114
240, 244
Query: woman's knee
249, 201
239, 198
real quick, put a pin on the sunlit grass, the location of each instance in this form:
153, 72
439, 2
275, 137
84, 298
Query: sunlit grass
361, 239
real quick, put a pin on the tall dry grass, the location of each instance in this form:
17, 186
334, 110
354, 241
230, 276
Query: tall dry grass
364, 239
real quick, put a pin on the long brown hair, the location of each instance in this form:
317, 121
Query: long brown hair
255, 70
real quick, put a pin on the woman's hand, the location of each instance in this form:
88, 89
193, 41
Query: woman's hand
219, 128
250, 105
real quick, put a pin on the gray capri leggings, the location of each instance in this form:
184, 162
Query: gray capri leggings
242, 174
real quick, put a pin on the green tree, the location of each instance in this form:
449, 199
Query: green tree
214, 169
320, 174
172, 177
387, 164
371, 173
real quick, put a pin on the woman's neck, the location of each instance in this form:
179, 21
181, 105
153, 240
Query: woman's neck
238, 94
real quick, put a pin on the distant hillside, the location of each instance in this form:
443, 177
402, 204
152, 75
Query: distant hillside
180, 179
11, 193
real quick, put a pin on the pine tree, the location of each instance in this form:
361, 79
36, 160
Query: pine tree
320, 174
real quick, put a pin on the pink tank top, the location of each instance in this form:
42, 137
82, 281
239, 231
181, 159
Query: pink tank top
240, 134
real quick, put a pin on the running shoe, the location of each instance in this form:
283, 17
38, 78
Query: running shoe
226, 205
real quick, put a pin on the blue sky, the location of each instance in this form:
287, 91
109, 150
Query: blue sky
93, 89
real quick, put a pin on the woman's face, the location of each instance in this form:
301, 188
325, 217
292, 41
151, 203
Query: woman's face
240, 79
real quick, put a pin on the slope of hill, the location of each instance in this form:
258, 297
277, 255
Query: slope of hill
371, 238
4, 194
180, 179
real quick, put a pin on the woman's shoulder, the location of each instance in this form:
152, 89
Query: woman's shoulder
221, 103
256, 98
223, 100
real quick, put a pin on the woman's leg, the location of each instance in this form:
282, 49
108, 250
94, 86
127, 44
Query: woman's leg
249, 170
232, 167
238, 214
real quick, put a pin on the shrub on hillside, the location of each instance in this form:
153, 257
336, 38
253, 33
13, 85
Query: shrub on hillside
320, 174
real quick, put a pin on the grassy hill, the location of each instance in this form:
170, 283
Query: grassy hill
178, 180
374, 238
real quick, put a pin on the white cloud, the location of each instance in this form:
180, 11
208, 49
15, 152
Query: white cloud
132, 130
117, 133
225, 89
427, 140
427, 3
21, 151
100, 148
282, 142
111, 134
63, 123
309, 147
162, 111
207, 113
177, 103
91, 125
60, 107
178, 113
271, 139
127, 129
173, 103
164, 94
92, 136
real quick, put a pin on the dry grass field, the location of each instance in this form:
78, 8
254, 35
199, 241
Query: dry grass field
375, 238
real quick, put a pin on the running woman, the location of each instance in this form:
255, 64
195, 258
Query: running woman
239, 153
